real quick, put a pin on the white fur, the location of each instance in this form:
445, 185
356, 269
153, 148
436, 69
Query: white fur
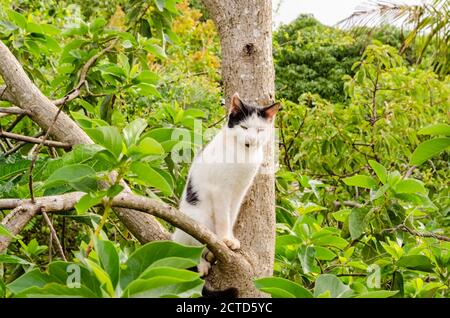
221, 176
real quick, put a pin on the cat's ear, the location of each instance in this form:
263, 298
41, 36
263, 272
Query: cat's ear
236, 103
271, 110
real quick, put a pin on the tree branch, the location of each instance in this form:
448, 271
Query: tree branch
54, 235
14, 110
66, 202
404, 228
33, 140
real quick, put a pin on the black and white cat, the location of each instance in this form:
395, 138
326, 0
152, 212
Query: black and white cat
222, 173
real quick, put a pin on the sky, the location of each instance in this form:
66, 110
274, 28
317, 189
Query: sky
328, 12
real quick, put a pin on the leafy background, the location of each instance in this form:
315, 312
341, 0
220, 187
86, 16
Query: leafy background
362, 186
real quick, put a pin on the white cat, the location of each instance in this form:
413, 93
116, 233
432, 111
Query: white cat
222, 173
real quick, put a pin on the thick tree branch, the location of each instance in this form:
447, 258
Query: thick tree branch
66, 202
13, 110
33, 140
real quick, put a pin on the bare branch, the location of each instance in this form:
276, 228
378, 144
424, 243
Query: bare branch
404, 228
14, 110
54, 235
16, 220
84, 71
66, 202
33, 140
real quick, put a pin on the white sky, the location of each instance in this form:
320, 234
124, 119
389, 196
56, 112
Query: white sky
328, 12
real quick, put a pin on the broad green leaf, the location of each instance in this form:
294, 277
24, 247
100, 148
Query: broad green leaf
361, 181
378, 294
416, 262
437, 129
87, 201
146, 255
164, 286
133, 131
429, 149
151, 177
146, 147
174, 262
80, 176
147, 77
102, 277
410, 186
12, 259
332, 284
323, 253
33, 278
341, 215
108, 137
330, 240
380, 171
282, 288
307, 258
17, 18
109, 259
54, 290
155, 50
356, 222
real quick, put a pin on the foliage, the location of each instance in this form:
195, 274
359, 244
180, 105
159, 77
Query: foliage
362, 189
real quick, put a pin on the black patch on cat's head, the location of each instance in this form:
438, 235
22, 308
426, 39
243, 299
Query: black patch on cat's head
240, 111
191, 194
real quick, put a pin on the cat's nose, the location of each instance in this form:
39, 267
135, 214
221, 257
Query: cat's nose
247, 144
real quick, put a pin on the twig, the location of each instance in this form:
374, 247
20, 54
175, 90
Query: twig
33, 140
53, 234
409, 172
14, 110
217, 122
75, 92
404, 228
20, 145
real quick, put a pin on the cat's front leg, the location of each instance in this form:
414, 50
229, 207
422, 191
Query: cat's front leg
223, 223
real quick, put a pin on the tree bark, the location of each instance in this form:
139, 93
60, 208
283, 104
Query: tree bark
245, 29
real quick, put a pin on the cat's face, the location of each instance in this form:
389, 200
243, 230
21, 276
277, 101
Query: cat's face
251, 126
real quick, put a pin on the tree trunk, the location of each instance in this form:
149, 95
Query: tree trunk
245, 29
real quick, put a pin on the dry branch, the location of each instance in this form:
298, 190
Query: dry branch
33, 140
66, 202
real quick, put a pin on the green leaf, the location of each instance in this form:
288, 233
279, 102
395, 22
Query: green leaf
155, 49
4, 231
323, 253
429, 149
410, 186
437, 129
380, 170
12, 259
80, 176
146, 255
146, 147
416, 262
282, 288
330, 240
147, 77
133, 131
17, 18
151, 177
307, 258
164, 286
332, 284
109, 137
361, 181
54, 290
356, 223
87, 201
378, 294
33, 278
102, 277
109, 259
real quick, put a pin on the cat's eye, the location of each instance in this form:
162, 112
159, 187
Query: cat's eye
244, 127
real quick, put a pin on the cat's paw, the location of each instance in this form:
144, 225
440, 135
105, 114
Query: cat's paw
203, 267
232, 242
210, 257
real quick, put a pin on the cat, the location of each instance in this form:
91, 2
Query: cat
223, 171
